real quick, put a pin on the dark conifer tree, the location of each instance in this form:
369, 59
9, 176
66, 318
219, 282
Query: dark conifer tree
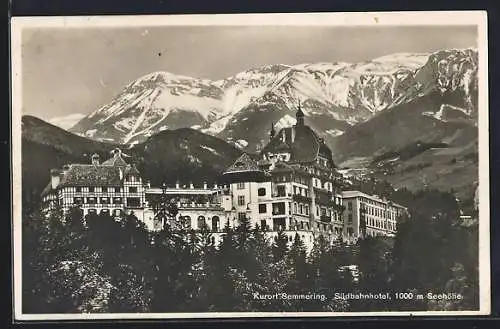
280, 246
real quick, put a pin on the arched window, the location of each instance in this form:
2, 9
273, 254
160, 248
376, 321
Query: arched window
215, 223
201, 222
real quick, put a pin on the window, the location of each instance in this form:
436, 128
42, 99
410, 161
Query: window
78, 189
317, 210
117, 190
240, 186
104, 189
294, 208
279, 208
281, 190
91, 189
117, 212
263, 224
132, 189
77, 200
185, 221
133, 202
117, 200
241, 216
300, 209
92, 211
262, 208
349, 205
215, 223
349, 219
323, 211
92, 200
241, 200
261, 191
105, 200
306, 208
201, 222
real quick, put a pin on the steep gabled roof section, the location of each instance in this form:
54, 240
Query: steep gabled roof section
242, 164
116, 160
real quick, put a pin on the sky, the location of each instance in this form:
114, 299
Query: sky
77, 70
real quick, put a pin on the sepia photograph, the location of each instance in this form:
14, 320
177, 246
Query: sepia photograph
250, 165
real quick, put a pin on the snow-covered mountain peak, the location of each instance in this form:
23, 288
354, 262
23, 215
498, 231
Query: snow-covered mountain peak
415, 60
345, 93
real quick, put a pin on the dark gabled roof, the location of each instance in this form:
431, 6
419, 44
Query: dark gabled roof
304, 147
91, 175
243, 164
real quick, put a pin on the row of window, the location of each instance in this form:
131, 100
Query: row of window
131, 202
301, 209
380, 212
91, 189
380, 224
373, 211
300, 191
116, 212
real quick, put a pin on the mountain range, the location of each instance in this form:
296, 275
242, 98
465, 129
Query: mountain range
241, 108
410, 119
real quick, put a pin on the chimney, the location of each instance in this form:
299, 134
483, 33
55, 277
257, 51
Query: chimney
55, 178
273, 131
205, 186
191, 185
95, 159
177, 185
65, 169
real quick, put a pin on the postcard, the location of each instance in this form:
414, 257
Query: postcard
250, 165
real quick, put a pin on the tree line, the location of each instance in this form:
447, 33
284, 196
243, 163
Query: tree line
104, 264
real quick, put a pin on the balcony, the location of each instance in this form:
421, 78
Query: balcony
325, 218
194, 205
301, 198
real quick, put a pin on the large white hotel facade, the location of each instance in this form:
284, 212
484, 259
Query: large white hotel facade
292, 185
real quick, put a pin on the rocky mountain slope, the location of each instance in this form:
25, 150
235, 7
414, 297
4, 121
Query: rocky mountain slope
240, 109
